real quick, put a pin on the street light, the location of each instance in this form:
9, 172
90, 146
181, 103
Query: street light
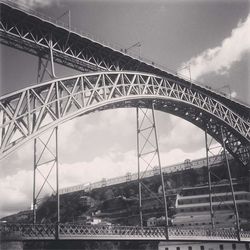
188, 67
138, 44
69, 17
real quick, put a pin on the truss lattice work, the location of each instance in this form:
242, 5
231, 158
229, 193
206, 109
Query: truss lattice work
46, 169
83, 232
220, 150
29, 112
39, 36
148, 156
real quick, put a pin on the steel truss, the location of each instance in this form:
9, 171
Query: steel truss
29, 32
217, 150
46, 166
43, 64
148, 158
45, 156
62, 99
22, 32
68, 231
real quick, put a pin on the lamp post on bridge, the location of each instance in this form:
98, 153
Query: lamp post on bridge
138, 45
188, 67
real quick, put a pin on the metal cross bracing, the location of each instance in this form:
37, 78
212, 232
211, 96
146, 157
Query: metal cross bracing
37, 35
148, 156
69, 231
63, 99
212, 148
28, 113
46, 166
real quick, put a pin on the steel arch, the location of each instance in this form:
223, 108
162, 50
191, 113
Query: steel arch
33, 33
27, 113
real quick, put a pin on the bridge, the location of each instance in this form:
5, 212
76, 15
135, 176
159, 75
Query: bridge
110, 79
83, 232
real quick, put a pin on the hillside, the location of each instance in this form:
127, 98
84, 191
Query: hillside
118, 204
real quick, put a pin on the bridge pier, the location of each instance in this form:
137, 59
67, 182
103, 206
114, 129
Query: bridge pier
11, 245
11, 241
89, 244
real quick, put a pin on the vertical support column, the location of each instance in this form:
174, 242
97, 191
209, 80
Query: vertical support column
42, 69
209, 181
69, 19
149, 162
46, 162
57, 183
139, 169
34, 163
52, 58
161, 174
38, 157
231, 186
34, 183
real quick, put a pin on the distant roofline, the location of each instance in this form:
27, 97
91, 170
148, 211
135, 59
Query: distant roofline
207, 204
205, 186
197, 163
213, 194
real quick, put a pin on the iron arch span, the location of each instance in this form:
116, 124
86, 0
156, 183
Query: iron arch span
27, 113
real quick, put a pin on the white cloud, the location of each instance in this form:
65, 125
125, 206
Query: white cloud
16, 190
109, 157
184, 136
34, 3
234, 94
96, 134
220, 59
108, 166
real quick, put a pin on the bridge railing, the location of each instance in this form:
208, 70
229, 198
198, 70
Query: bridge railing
202, 234
74, 230
30, 231
81, 231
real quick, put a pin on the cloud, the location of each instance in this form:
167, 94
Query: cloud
96, 146
234, 94
16, 190
34, 3
96, 134
22, 159
220, 59
183, 135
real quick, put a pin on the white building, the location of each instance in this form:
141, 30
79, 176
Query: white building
202, 246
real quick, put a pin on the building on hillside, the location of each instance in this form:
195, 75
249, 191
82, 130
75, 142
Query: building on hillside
87, 201
93, 221
202, 246
158, 222
193, 208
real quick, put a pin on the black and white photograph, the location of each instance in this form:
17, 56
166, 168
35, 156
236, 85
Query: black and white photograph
124, 124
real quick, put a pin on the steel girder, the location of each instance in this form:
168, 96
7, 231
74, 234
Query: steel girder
75, 231
31, 34
27, 113
35, 34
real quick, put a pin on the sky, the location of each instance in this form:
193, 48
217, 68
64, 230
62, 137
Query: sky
211, 38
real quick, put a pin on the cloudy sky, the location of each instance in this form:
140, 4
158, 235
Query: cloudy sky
212, 37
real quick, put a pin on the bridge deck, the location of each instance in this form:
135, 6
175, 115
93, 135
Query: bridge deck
28, 232
30, 32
